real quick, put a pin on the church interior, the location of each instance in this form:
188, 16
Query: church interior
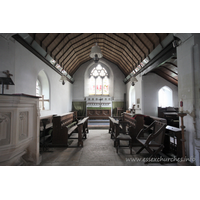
94, 95
60, 91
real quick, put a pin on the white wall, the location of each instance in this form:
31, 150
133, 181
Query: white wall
146, 89
138, 94
131, 99
118, 87
152, 83
7, 61
25, 68
189, 72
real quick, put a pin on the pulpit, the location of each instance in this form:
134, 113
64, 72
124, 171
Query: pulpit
19, 130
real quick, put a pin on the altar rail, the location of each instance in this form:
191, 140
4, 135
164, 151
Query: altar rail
99, 113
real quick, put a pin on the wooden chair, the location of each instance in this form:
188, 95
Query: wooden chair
119, 111
154, 143
138, 124
123, 134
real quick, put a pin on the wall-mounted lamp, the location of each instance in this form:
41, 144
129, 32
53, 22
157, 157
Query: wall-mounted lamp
133, 80
63, 79
176, 43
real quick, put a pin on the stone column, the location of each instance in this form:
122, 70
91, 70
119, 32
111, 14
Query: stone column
188, 90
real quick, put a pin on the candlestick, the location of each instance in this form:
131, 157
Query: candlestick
181, 105
181, 114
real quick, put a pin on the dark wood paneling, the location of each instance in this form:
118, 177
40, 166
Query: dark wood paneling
99, 114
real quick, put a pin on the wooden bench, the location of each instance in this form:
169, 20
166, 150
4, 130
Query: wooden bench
116, 127
46, 123
112, 127
63, 126
136, 124
84, 123
82, 130
170, 114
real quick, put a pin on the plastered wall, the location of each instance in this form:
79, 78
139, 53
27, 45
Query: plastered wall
25, 67
117, 86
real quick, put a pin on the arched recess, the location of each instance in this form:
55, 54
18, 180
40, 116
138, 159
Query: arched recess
43, 89
131, 96
87, 75
165, 97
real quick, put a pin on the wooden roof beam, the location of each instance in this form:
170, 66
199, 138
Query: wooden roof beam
143, 44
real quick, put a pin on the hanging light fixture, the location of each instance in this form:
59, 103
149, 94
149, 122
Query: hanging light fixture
96, 53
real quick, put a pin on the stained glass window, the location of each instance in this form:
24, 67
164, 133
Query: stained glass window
98, 85
38, 88
106, 86
99, 81
39, 92
92, 85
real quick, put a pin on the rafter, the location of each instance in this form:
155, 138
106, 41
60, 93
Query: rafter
148, 49
125, 46
150, 40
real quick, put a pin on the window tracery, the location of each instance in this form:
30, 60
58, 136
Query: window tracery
99, 81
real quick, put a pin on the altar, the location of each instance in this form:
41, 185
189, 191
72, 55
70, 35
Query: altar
98, 107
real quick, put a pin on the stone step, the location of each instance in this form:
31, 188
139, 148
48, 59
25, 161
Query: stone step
98, 121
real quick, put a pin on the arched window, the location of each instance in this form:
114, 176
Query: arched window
42, 89
131, 96
165, 97
99, 81
38, 88
39, 92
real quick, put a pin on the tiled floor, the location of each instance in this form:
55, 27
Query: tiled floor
98, 150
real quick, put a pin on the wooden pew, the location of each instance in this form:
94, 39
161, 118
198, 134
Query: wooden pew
82, 130
112, 128
85, 126
46, 123
170, 114
136, 124
63, 126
